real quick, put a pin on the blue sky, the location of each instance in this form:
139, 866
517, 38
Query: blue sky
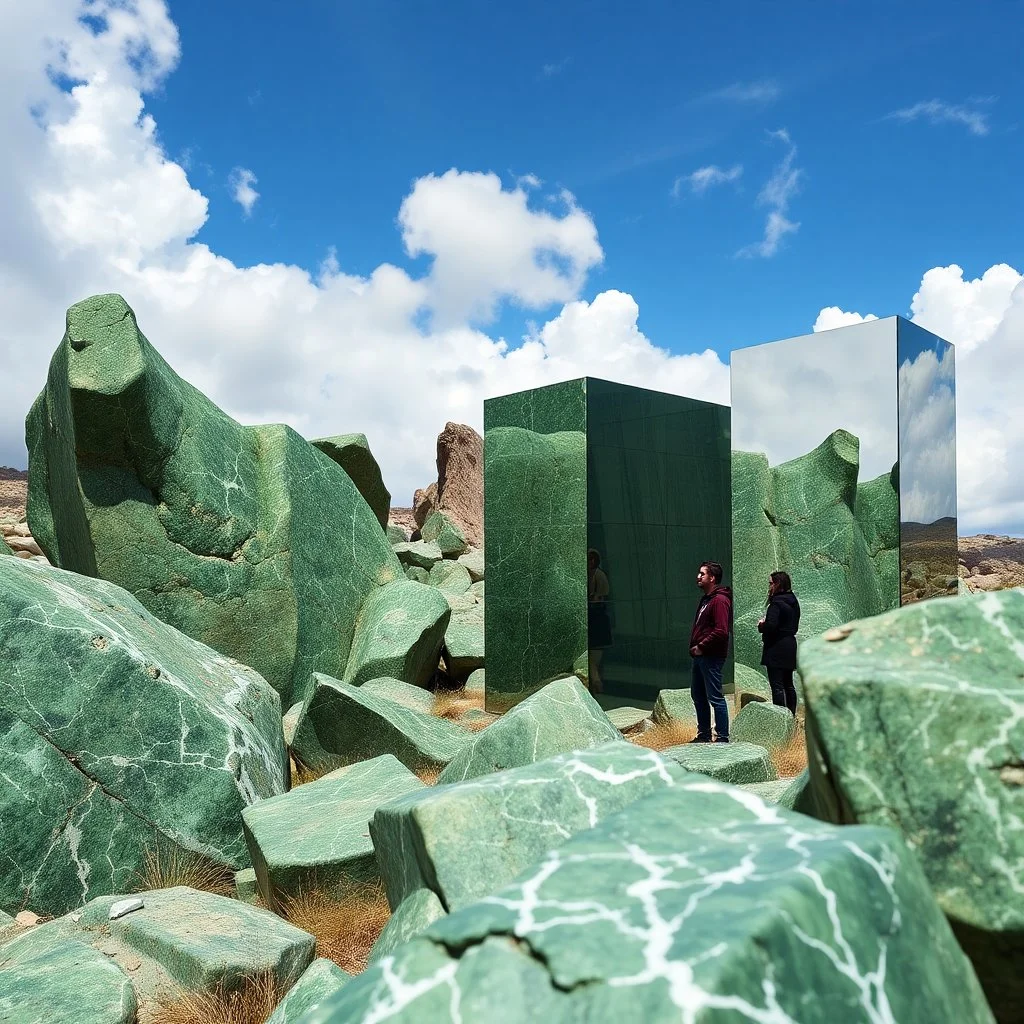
337, 108
373, 217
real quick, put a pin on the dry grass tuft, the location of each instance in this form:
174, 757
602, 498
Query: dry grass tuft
345, 926
428, 774
791, 759
301, 774
251, 1003
452, 704
166, 866
671, 734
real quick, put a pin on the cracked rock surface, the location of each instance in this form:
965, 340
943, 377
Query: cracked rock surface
246, 538
118, 736
916, 720
700, 904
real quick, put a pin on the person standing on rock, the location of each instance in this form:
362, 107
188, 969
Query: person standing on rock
709, 646
778, 634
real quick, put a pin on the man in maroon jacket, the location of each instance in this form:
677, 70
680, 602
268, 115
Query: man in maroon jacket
709, 646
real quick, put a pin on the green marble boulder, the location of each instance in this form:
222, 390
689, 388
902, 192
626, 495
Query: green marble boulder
315, 838
180, 941
627, 719
406, 694
451, 577
473, 560
398, 633
751, 685
352, 453
466, 840
556, 719
766, 725
698, 903
419, 554
464, 641
915, 719
417, 573
396, 534
674, 706
248, 539
416, 912
322, 978
838, 538
341, 724
437, 527
120, 739
788, 793
727, 762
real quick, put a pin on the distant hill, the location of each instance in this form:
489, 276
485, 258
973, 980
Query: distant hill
13, 492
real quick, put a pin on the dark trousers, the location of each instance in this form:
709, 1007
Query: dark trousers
706, 691
783, 690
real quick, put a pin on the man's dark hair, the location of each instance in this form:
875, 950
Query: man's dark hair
714, 570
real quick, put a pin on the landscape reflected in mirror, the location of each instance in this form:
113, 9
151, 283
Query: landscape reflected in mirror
927, 417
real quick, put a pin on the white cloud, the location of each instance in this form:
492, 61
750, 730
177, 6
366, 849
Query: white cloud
984, 318
937, 112
832, 316
242, 183
91, 203
776, 194
706, 177
764, 91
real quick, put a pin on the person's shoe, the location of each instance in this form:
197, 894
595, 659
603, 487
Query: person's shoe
701, 739
721, 739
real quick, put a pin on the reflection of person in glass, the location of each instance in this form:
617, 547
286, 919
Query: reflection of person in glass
709, 646
778, 634
599, 627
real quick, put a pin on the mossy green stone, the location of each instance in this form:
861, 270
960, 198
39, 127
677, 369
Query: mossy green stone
674, 706
451, 577
342, 724
322, 978
536, 558
766, 725
417, 573
409, 696
916, 720
726, 762
398, 633
248, 539
753, 683
466, 840
118, 735
837, 538
556, 719
473, 560
62, 980
421, 554
416, 912
464, 641
396, 534
315, 838
352, 453
698, 903
444, 533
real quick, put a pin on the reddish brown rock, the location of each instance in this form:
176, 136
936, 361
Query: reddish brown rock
460, 479
424, 501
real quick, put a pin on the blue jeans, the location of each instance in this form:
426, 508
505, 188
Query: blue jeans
706, 691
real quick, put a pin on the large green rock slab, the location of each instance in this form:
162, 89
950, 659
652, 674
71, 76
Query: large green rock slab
398, 633
915, 719
409, 696
248, 539
315, 838
180, 941
451, 577
414, 914
352, 453
674, 706
473, 560
322, 978
440, 529
727, 762
464, 641
789, 793
536, 556
119, 737
699, 903
62, 980
836, 536
464, 841
418, 554
342, 724
559, 718
766, 725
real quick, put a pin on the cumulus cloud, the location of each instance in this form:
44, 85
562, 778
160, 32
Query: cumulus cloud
706, 177
937, 112
984, 319
776, 194
92, 203
832, 316
242, 183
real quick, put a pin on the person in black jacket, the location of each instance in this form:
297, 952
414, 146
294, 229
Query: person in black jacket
778, 634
